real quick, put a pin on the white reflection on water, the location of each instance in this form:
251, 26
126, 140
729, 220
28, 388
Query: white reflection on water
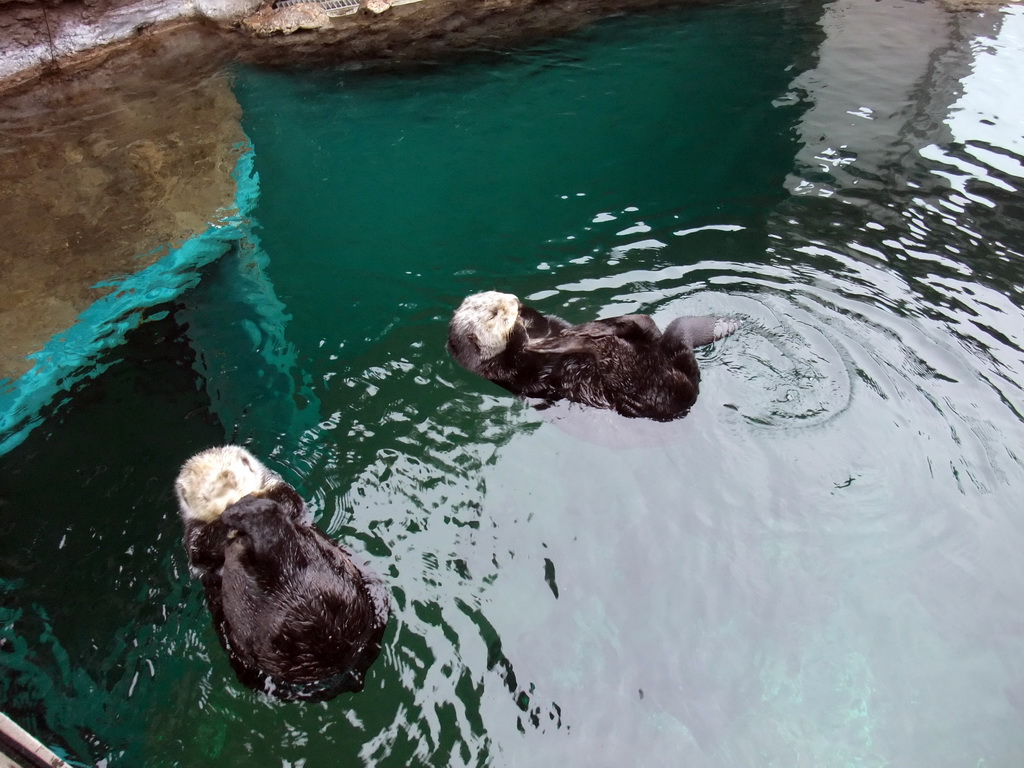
991, 110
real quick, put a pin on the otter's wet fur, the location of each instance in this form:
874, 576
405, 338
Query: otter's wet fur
299, 618
625, 364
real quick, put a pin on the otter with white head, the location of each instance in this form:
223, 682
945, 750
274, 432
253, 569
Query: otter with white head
213, 480
299, 618
625, 364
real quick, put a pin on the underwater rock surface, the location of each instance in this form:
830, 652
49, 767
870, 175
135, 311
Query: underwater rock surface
99, 175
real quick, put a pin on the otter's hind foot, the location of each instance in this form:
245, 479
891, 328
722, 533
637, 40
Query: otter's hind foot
698, 331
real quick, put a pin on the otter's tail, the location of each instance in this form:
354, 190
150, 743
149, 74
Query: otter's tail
697, 331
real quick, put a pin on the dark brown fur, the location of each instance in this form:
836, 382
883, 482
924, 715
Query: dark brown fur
625, 364
298, 617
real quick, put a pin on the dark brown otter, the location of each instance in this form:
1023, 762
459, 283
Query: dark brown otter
625, 364
299, 618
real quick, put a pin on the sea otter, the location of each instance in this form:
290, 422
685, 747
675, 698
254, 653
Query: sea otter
298, 617
624, 364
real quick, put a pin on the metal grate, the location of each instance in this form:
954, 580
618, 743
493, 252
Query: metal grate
333, 7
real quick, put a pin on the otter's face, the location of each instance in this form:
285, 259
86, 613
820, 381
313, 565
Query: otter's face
213, 480
487, 318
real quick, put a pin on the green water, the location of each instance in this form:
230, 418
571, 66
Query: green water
819, 566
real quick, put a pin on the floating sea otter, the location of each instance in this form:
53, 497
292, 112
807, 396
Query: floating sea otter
622, 363
298, 617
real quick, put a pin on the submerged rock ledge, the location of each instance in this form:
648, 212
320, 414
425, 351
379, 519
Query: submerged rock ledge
103, 173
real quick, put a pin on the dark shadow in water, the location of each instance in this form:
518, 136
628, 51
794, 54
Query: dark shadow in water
87, 498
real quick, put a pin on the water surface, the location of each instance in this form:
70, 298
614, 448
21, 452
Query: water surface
818, 566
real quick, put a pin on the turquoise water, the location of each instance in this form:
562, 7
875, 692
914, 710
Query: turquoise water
819, 566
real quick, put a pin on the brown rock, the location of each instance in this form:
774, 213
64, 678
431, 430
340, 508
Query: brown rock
376, 6
99, 174
271, 21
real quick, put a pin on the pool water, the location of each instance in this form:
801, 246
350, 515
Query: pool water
819, 566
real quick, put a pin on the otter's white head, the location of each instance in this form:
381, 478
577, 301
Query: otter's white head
488, 318
213, 480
